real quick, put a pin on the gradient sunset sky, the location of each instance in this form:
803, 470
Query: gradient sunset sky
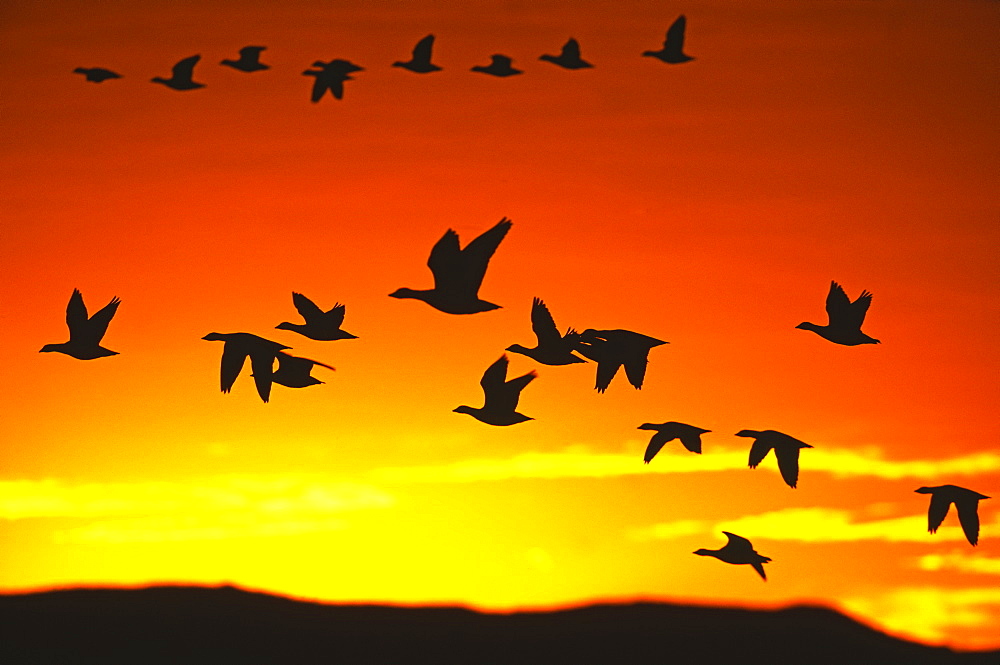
708, 204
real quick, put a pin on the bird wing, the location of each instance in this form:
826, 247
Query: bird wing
571, 50
655, 444
476, 255
606, 370
759, 567
262, 364
494, 377
675, 36
445, 261
97, 326
306, 307
692, 440
859, 308
233, 357
937, 511
422, 51
758, 451
335, 317
543, 325
788, 464
635, 370
319, 85
506, 398
336, 86
251, 52
739, 543
185, 68
838, 305
76, 315
968, 515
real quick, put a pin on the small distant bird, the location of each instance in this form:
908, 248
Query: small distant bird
458, 273
234, 354
331, 76
673, 46
295, 372
249, 60
501, 396
97, 74
738, 551
569, 58
786, 449
552, 348
966, 503
500, 65
611, 349
689, 435
319, 325
85, 334
181, 78
845, 318
421, 60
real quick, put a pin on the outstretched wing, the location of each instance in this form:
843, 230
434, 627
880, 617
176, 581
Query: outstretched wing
859, 308
758, 451
98, 324
739, 543
675, 36
655, 444
476, 255
233, 357
937, 511
76, 315
185, 68
788, 464
251, 52
507, 397
635, 369
968, 515
422, 51
571, 50
445, 261
306, 307
543, 325
606, 370
262, 364
838, 306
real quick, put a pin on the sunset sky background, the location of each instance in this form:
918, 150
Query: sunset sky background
708, 204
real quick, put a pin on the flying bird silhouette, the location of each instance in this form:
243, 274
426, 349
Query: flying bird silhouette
673, 46
421, 60
966, 503
569, 57
738, 550
294, 372
319, 325
234, 354
551, 348
786, 449
500, 65
85, 334
182, 76
249, 60
845, 318
689, 435
331, 76
97, 74
458, 273
501, 396
612, 349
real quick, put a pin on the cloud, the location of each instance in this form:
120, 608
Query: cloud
965, 563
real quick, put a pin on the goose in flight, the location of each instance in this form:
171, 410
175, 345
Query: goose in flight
85, 334
249, 60
569, 58
458, 273
845, 318
786, 449
234, 354
295, 372
421, 60
552, 348
331, 76
689, 435
966, 503
182, 75
738, 550
673, 46
500, 65
97, 74
612, 349
501, 396
319, 325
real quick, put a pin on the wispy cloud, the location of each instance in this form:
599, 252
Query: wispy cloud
965, 563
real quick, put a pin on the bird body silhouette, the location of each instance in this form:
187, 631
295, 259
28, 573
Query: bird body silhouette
689, 435
845, 318
85, 333
182, 77
421, 60
249, 60
500, 65
294, 372
569, 58
97, 74
458, 273
501, 396
673, 46
738, 550
262, 353
612, 349
966, 503
552, 348
331, 76
319, 325
786, 449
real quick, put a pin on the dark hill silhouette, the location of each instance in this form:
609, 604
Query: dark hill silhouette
195, 626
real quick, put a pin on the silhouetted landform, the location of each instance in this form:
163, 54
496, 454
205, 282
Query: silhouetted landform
673, 46
966, 504
845, 318
85, 334
97, 74
249, 60
689, 435
500, 65
551, 348
319, 325
199, 626
786, 449
569, 57
294, 372
331, 76
234, 354
500, 396
420, 62
739, 551
458, 273
182, 76
612, 349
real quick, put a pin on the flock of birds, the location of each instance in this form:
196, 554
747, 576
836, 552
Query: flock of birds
330, 76
458, 275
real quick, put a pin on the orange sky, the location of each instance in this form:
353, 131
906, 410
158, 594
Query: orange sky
707, 204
